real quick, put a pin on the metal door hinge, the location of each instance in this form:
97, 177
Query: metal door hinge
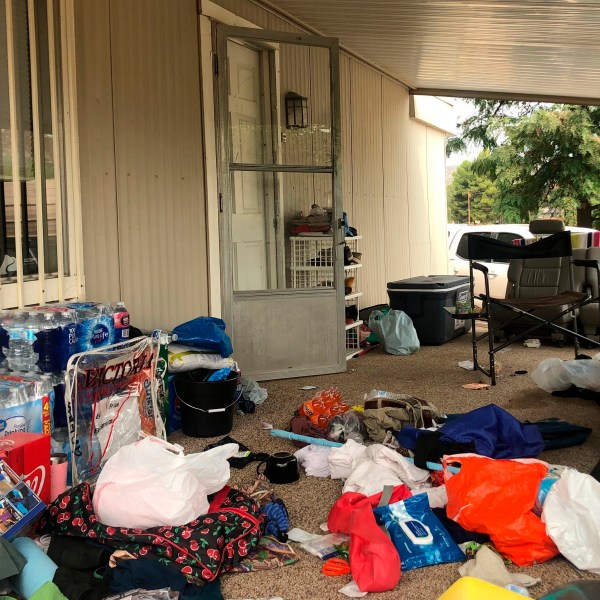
215, 64
220, 202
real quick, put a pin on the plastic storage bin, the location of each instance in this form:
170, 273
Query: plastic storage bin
423, 300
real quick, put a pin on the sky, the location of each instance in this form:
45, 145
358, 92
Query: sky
462, 110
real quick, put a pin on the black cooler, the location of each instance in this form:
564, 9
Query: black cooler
423, 300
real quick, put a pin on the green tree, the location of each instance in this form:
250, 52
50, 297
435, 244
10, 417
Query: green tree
478, 190
485, 127
548, 162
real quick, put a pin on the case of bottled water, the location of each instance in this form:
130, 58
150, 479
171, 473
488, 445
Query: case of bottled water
42, 339
26, 403
95, 325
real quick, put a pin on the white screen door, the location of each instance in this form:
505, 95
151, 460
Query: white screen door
280, 220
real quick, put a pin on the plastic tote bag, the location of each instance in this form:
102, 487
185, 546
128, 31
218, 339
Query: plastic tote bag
572, 517
496, 497
207, 333
396, 330
554, 374
152, 483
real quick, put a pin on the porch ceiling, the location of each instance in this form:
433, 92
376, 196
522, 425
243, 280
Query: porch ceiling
521, 48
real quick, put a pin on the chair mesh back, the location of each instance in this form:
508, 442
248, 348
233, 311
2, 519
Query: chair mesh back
484, 248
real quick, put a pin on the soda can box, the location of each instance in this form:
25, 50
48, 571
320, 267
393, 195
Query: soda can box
20, 506
28, 455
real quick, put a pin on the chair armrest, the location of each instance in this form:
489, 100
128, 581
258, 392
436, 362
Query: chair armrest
485, 270
589, 263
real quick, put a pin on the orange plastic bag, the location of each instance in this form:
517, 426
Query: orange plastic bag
496, 497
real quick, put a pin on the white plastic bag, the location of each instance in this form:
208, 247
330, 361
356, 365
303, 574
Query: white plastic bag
152, 483
187, 358
572, 516
554, 375
396, 330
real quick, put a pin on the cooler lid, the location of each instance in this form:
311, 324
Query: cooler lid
429, 282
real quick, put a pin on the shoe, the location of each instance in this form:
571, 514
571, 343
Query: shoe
352, 312
347, 255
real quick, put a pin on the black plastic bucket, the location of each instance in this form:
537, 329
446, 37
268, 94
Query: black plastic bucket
206, 406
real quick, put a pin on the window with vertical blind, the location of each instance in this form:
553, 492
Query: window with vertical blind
36, 221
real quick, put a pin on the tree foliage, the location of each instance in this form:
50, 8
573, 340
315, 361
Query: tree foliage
541, 159
475, 188
485, 127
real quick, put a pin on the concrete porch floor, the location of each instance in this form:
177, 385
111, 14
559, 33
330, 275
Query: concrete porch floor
432, 374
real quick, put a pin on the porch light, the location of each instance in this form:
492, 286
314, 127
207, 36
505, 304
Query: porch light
296, 111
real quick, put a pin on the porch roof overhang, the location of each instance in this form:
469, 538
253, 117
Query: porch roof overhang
514, 49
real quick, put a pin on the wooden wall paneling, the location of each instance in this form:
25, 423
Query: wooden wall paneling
419, 246
395, 193
320, 84
367, 176
278, 24
96, 151
248, 10
321, 122
436, 188
297, 149
158, 145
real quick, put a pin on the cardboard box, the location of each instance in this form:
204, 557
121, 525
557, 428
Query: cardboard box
28, 455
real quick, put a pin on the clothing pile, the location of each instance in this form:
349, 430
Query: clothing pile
447, 488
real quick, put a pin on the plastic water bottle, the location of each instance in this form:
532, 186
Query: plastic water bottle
15, 325
121, 321
4, 397
68, 345
95, 328
33, 325
48, 344
5, 321
106, 321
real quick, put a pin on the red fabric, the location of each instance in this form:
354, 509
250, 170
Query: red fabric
374, 561
218, 499
496, 497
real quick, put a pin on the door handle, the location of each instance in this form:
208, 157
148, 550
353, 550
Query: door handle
491, 275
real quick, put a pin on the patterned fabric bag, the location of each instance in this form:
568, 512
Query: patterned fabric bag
202, 549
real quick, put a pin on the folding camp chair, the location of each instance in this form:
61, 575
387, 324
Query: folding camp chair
544, 293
